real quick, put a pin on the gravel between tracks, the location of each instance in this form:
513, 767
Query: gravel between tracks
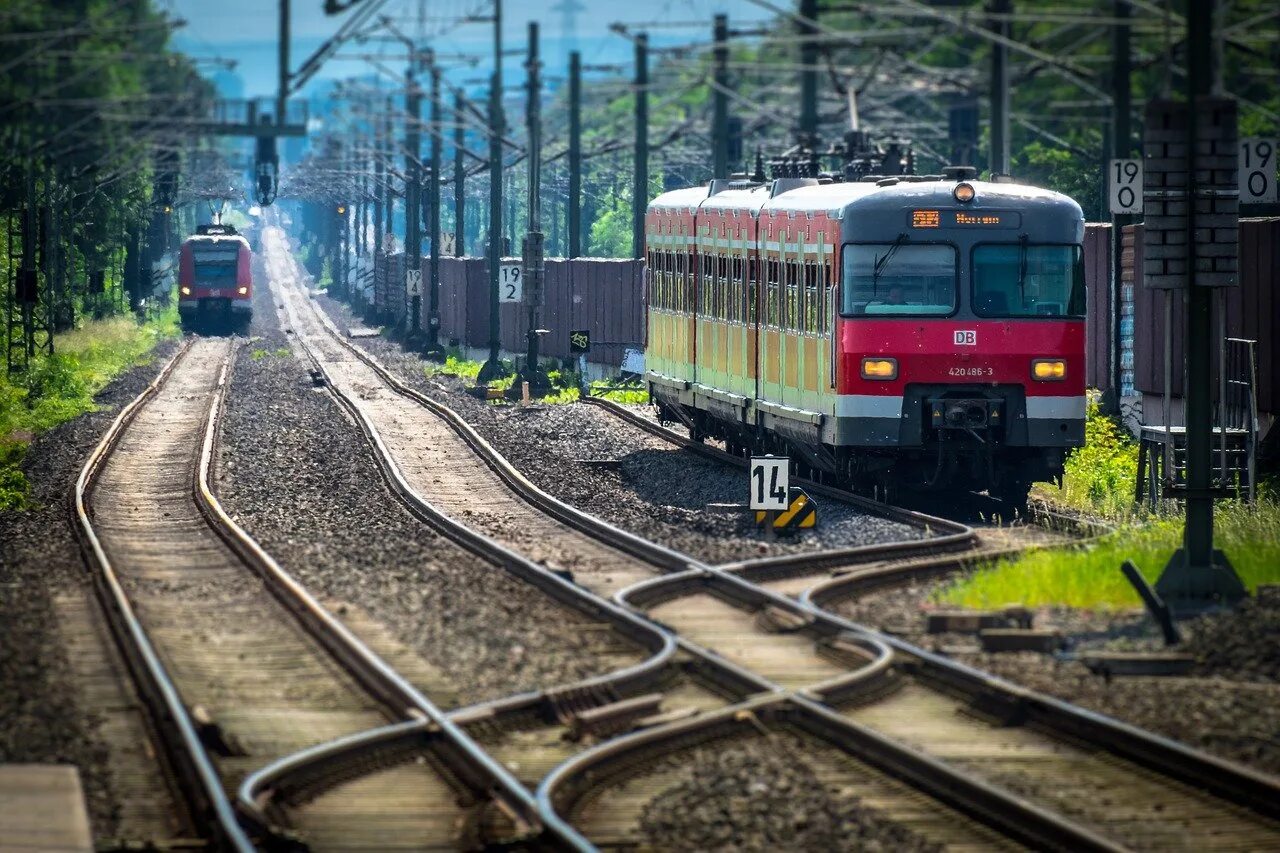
297, 473
1229, 705
764, 795
619, 473
41, 714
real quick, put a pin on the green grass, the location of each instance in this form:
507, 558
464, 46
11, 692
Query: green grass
638, 397
60, 387
1090, 577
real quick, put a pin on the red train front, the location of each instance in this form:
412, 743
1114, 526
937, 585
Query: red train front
961, 332
215, 280
917, 332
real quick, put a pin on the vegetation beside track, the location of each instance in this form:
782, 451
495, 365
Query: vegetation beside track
1099, 482
62, 386
1089, 577
564, 383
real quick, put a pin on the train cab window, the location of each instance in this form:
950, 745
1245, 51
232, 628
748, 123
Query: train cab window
1028, 280
215, 266
899, 279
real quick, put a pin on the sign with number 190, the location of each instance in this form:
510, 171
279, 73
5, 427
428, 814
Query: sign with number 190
1257, 171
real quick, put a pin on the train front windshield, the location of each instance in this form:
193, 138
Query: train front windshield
1028, 280
216, 267
899, 279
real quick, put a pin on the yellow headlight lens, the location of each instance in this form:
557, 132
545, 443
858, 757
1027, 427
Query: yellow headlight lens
964, 193
186, 291
244, 291
1046, 369
879, 368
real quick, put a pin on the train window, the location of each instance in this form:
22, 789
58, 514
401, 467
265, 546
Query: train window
1028, 280
791, 311
899, 279
812, 305
771, 289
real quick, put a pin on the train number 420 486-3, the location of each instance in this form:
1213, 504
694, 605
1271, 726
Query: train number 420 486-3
971, 371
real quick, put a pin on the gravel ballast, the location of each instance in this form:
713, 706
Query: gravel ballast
1228, 704
299, 476
764, 795
598, 463
43, 717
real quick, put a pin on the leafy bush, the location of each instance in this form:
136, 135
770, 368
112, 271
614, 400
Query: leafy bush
1099, 477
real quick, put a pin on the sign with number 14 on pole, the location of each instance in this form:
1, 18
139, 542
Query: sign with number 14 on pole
770, 482
1125, 181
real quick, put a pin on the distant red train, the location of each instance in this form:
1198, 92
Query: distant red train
911, 331
215, 281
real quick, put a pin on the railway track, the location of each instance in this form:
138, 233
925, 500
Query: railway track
830, 678
239, 667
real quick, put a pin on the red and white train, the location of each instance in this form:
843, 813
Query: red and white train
912, 331
215, 279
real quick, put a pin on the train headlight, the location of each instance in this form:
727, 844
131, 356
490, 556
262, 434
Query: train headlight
879, 368
244, 291
964, 193
186, 291
1048, 369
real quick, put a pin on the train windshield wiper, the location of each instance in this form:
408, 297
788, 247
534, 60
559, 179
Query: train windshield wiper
882, 262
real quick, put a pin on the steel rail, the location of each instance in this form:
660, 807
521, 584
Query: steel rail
990, 805
176, 733
474, 766
1257, 791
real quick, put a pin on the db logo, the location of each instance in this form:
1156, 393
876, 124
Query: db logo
966, 338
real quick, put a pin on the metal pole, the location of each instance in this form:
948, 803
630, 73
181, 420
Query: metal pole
1198, 576
720, 100
492, 368
433, 210
1198, 536
533, 241
575, 154
282, 95
413, 191
459, 180
999, 159
1121, 147
807, 30
640, 186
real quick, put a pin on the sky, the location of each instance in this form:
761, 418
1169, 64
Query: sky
246, 31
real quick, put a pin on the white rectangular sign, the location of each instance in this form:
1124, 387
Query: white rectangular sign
510, 283
1257, 171
1125, 180
770, 482
413, 283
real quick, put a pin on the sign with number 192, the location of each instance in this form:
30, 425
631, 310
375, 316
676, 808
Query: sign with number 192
770, 482
510, 283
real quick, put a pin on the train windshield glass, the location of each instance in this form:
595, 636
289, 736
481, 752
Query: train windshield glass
899, 279
1026, 280
216, 266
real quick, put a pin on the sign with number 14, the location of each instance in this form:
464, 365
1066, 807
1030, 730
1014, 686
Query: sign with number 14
770, 482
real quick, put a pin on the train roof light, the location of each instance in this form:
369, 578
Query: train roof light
964, 193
